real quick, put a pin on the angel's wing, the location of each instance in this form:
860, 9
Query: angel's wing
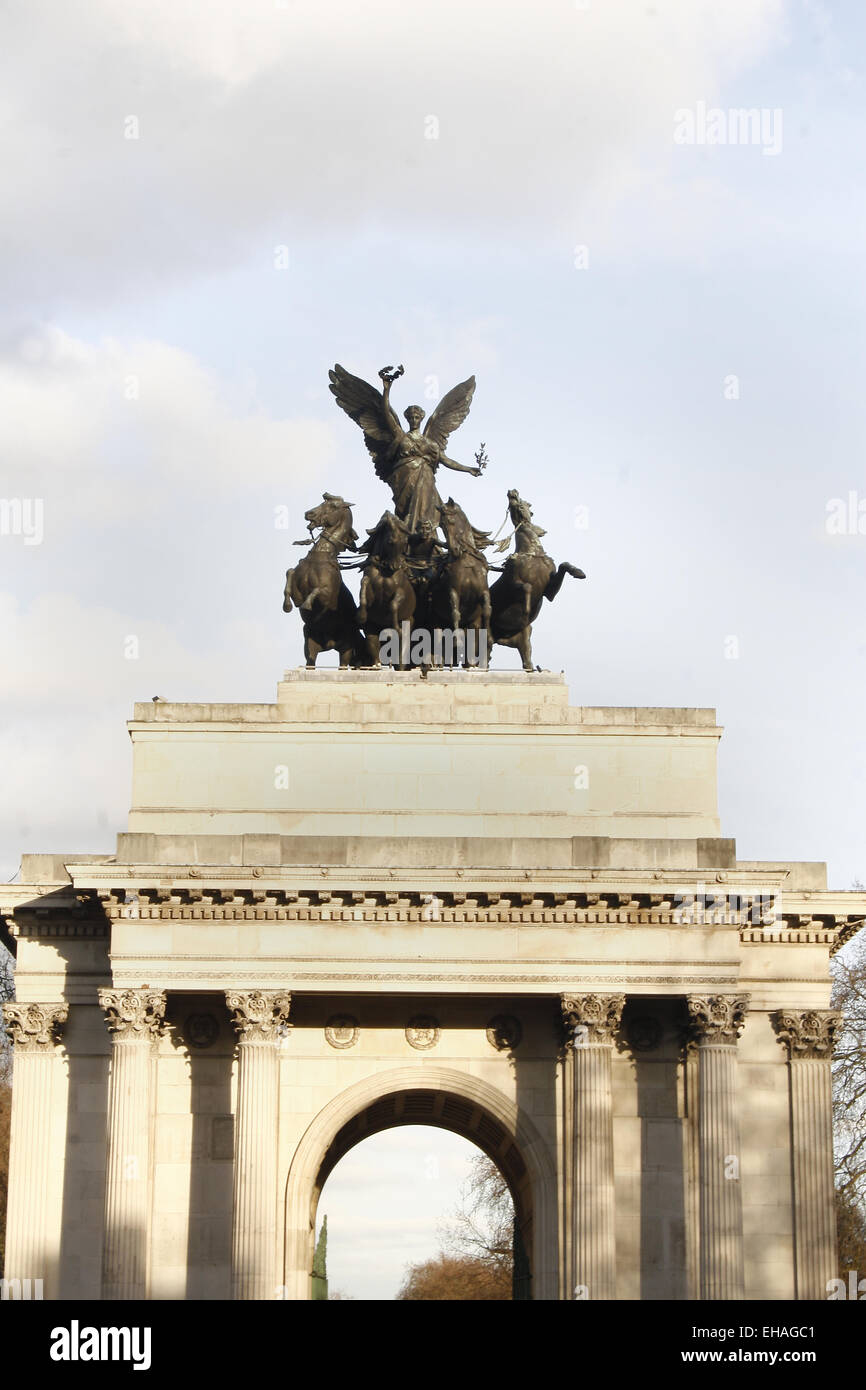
368, 408
450, 412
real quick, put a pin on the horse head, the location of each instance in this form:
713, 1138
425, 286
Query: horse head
389, 539
459, 533
334, 517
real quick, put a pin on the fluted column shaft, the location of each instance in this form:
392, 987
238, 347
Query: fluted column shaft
33, 1029
808, 1038
692, 1164
260, 1019
134, 1018
592, 1021
716, 1022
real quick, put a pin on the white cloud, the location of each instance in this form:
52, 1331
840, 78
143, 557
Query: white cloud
261, 122
110, 429
59, 649
67, 689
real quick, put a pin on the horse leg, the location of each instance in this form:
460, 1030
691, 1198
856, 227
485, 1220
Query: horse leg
454, 598
486, 611
458, 646
394, 613
527, 599
524, 645
311, 649
476, 645
308, 601
554, 584
362, 601
287, 592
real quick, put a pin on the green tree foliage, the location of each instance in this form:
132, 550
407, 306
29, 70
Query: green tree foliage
320, 1265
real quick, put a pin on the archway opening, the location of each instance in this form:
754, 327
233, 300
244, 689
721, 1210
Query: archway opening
418, 1160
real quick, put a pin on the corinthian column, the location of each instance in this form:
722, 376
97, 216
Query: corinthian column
33, 1029
716, 1022
260, 1019
591, 1021
808, 1040
134, 1019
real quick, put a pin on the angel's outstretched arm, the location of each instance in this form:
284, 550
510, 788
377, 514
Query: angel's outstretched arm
388, 376
459, 467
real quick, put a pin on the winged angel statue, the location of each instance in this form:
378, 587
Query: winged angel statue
406, 460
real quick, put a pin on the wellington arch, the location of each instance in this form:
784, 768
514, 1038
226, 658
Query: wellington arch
419, 890
446, 897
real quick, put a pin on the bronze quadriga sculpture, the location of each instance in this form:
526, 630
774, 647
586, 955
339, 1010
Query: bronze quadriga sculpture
423, 567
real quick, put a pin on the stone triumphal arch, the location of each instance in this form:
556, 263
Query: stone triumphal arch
448, 898
446, 1098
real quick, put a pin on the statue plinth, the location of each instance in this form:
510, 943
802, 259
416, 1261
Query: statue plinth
396, 765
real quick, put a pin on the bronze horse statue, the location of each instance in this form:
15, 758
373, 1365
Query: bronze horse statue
459, 595
315, 585
387, 596
528, 577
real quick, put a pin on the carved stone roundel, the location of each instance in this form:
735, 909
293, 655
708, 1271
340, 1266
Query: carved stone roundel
643, 1033
422, 1032
342, 1030
504, 1032
202, 1030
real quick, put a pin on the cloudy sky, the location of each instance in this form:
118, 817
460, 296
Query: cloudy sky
205, 205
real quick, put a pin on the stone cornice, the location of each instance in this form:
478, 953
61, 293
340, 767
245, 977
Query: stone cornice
588, 905
133, 1014
753, 904
807, 1034
49, 911
34, 1027
716, 1020
259, 1016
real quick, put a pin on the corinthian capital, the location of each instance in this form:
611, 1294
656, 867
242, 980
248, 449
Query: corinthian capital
259, 1015
133, 1013
716, 1019
591, 1018
807, 1034
34, 1027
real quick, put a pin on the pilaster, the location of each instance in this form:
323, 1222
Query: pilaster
808, 1040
